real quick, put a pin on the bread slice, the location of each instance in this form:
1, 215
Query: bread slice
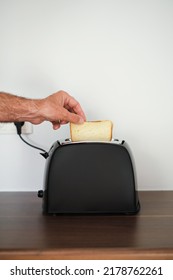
91, 131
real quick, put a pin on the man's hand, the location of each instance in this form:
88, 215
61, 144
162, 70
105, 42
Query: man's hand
61, 108
58, 108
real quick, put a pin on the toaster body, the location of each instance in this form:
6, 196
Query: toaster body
90, 177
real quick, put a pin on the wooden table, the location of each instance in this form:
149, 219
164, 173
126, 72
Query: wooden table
26, 234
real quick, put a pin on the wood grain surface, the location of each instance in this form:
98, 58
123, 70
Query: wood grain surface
25, 233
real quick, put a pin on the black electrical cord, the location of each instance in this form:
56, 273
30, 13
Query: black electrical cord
19, 131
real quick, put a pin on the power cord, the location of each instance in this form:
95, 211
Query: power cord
19, 132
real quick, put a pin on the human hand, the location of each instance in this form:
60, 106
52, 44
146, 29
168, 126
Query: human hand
61, 108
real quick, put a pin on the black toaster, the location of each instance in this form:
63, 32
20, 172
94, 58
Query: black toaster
90, 177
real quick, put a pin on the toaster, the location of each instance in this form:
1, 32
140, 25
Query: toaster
90, 178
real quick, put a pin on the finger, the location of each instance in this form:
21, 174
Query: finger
63, 122
74, 105
71, 117
56, 125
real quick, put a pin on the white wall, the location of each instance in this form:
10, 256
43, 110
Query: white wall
115, 57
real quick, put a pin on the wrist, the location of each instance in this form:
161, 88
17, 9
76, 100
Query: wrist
29, 110
35, 111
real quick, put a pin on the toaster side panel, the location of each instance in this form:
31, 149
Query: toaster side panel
91, 178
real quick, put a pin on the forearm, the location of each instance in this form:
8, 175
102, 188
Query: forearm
15, 108
58, 108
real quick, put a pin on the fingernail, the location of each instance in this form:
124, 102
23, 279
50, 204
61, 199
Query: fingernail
81, 120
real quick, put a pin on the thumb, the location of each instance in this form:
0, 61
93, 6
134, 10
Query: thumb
74, 118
